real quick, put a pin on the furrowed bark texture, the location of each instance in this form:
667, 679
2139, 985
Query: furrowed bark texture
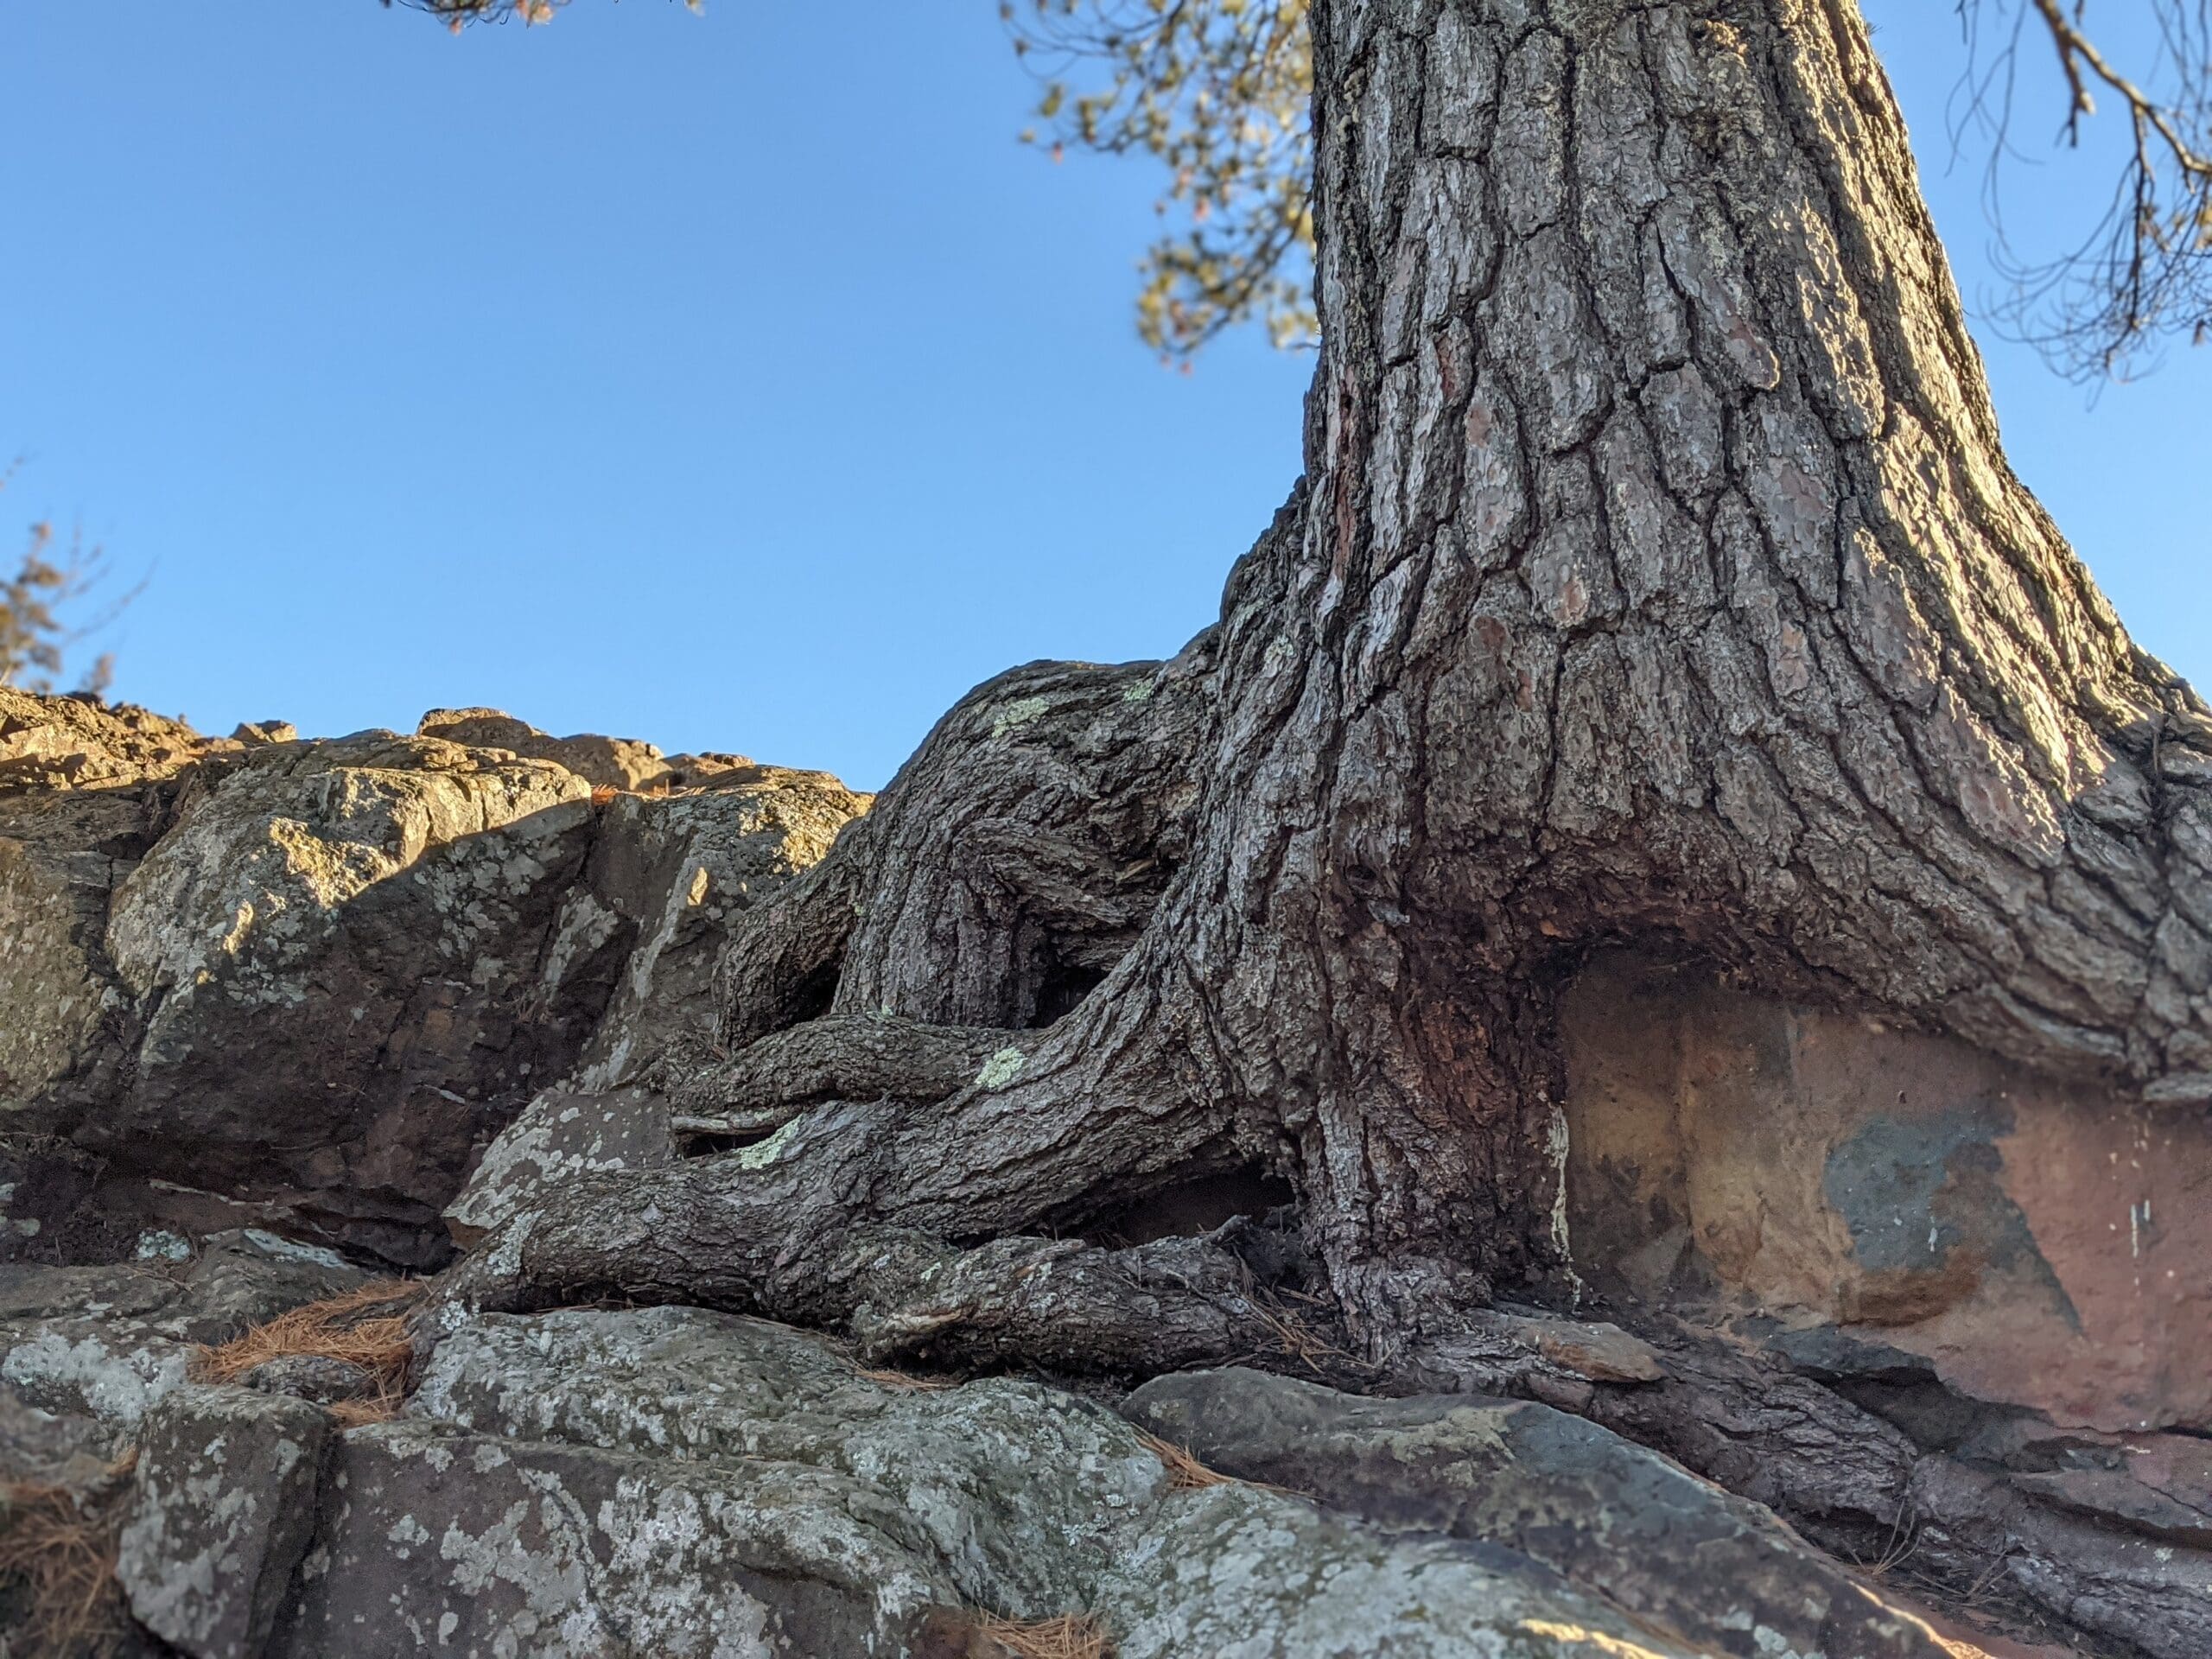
1656, 580
1656, 577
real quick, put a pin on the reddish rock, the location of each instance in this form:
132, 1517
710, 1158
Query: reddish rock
2040, 1243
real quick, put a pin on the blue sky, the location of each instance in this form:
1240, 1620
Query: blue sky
736, 382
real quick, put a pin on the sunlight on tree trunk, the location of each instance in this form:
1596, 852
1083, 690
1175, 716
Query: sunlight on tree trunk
1656, 579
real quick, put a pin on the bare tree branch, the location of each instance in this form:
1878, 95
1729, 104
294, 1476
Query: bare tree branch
2145, 270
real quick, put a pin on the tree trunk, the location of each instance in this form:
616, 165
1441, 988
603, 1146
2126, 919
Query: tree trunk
1656, 574
1656, 577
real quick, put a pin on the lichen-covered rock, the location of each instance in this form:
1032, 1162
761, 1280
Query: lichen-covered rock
438, 1542
1019, 1487
667, 877
1241, 1573
315, 978
336, 954
90, 1350
50, 1448
63, 1037
84, 790
561, 1134
221, 1512
675, 872
1009, 1495
1719, 1572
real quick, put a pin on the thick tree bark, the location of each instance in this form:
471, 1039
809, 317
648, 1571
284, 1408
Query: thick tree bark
1657, 576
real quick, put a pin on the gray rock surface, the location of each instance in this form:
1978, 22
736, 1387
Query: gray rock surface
675, 872
62, 851
335, 953
1001, 1493
222, 1507
86, 1352
434, 1541
314, 980
680, 1483
561, 1134
1679, 1552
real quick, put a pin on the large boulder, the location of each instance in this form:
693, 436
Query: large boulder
84, 792
335, 956
257, 980
673, 872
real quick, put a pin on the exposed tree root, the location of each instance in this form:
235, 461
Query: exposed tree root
873, 1057
1030, 838
735, 1238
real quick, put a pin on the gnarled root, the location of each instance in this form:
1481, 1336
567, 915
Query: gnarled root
879, 1056
1012, 863
1857, 1484
773, 1243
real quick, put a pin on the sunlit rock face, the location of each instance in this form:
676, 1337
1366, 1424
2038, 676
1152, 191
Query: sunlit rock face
83, 793
1901, 1206
312, 979
336, 955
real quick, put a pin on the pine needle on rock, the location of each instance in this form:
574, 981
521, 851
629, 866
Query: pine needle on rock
365, 1328
57, 1555
900, 1382
1071, 1637
1184, 1473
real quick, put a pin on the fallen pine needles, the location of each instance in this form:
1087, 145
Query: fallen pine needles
365, 1328
1184, 1473
900, 1382
1069, 1637
57, 1549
